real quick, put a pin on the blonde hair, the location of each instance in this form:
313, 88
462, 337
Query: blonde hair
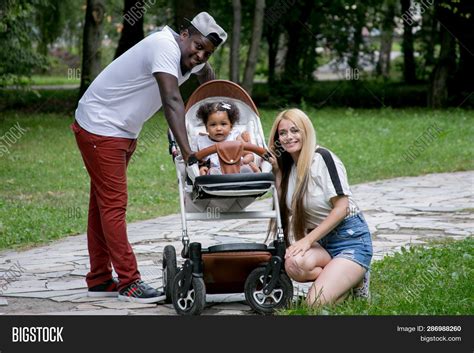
303, 171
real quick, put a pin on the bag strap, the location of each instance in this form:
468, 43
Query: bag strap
329, 161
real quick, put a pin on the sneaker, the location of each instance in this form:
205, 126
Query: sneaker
363, 291
140, 292
104, 290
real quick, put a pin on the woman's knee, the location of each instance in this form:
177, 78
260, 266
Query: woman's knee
294, 268
290, 265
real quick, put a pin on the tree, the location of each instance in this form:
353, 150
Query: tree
358, 21
132, 30
409, 67
17, 55
50, 20
252, 57
428, 38
456, 17
343, 28
386, 38
455, 22
301, 39
234, 73
187, 9
438, 95
91, 48
272, 31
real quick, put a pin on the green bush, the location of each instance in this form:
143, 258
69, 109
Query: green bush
347, 94
39, 101
354, 94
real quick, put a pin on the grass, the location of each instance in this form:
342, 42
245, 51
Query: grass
44, 185
65, 79
68, 78
434, 280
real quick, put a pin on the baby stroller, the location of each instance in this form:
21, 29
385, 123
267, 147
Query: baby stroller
255, 269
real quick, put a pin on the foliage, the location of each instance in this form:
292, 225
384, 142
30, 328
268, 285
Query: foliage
50, 20
355, 94
18, 56
298, 36
343, 32
28, 100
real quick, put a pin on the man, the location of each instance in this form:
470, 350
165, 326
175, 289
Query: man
109, 118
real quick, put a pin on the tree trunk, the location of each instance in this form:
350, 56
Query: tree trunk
235, 46
353, 61
257, 31
273, 38
309, 61
429, 37
438, 94
91, 48
299, 36
294, 52
409, 68
464, 81
132, 30
187, 9
456, 22
386, 39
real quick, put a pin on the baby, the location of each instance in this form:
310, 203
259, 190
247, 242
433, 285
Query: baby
219, 118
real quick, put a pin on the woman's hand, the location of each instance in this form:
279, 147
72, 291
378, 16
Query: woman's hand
274, 162
300, 247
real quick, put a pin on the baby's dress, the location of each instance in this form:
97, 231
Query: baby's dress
203, 141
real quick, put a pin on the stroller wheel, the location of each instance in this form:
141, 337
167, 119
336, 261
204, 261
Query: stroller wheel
193, 302
169, 271
267, 303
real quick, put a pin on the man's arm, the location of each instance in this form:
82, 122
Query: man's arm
205, 74
173, 108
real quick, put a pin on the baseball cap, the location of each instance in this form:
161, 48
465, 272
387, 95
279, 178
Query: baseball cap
208, 27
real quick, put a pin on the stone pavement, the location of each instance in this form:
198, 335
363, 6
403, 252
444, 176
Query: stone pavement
50, 280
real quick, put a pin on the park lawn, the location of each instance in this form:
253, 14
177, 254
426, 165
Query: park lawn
421, 280
65, 79
44, 185
56, 79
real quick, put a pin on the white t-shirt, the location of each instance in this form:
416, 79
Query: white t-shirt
126, 94
321, 189
203, 141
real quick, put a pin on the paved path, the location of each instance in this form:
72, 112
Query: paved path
403, 211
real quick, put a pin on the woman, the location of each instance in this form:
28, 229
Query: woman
328, 239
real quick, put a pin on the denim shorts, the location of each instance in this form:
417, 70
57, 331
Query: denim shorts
350, 240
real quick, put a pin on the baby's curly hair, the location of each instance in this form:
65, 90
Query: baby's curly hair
224, 106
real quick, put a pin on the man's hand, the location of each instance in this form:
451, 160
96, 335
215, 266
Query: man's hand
191, 159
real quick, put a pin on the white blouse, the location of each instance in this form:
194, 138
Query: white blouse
320, 190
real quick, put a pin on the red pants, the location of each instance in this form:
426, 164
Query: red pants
106, 160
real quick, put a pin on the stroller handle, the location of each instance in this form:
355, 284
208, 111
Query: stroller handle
247, 147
